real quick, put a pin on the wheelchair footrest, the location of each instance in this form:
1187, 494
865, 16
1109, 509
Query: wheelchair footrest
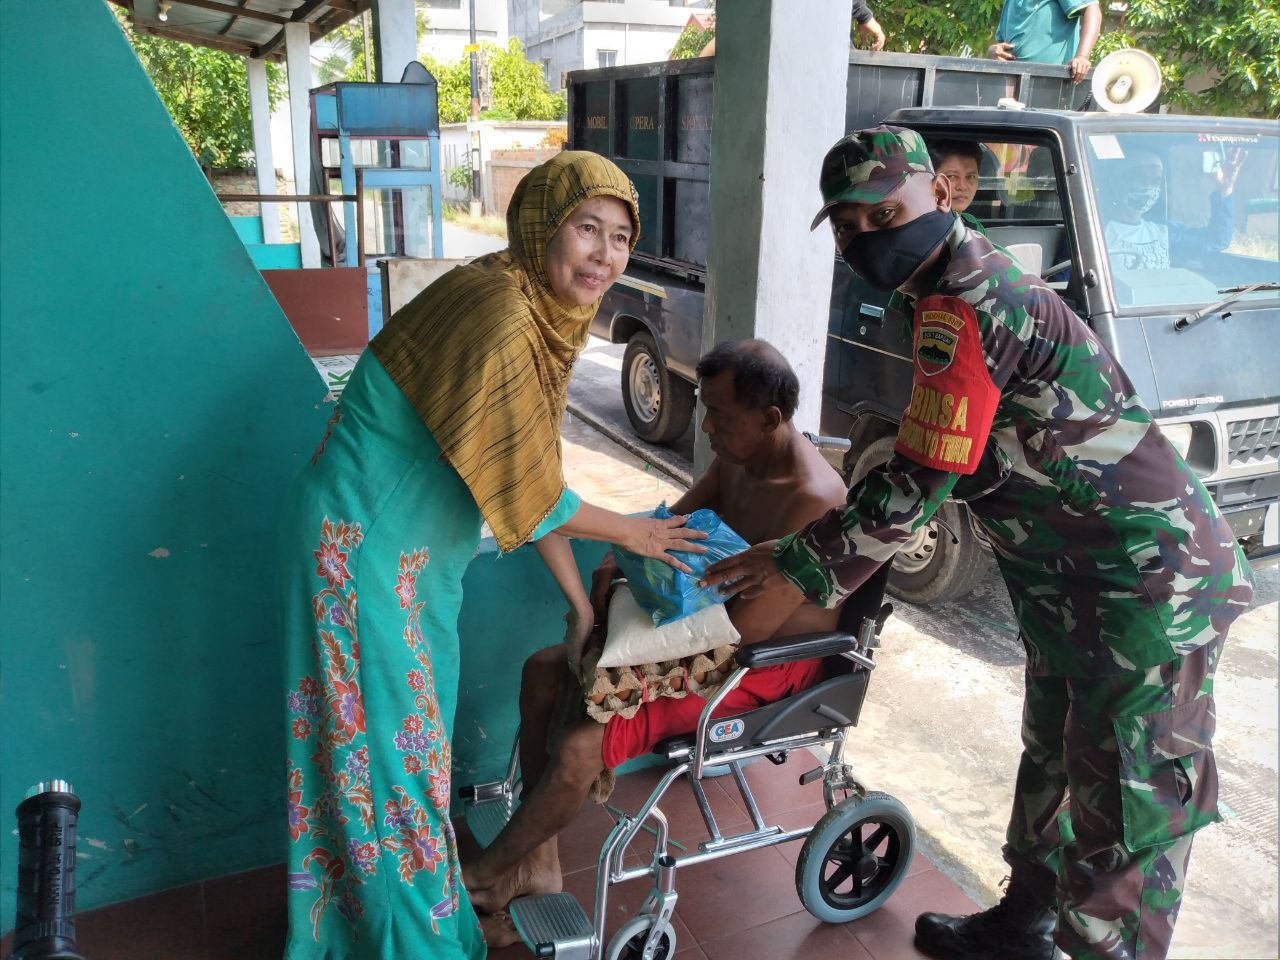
486, 818
554, 925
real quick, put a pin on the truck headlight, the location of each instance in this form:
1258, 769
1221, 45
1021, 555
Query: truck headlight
1179, 435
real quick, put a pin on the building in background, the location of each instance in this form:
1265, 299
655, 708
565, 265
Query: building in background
566, 35
449, 26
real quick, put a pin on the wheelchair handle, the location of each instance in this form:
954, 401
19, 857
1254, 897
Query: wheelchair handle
704, 719
828, 443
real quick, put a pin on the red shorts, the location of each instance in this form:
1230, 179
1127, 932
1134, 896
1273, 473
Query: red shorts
666, 717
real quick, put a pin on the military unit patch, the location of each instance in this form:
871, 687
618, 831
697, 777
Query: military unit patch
936, 346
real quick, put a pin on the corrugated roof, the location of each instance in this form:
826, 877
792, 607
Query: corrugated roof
249, 28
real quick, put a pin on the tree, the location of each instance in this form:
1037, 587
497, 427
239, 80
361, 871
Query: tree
692, 41
1217, 58
518, 89
345, 61
955, 28
207, 94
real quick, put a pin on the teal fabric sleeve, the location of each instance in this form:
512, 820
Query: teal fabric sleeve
565, 508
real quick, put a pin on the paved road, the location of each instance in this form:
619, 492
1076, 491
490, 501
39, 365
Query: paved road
941, 726
595, 395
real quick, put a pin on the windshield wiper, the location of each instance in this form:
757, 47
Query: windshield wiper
1236, 293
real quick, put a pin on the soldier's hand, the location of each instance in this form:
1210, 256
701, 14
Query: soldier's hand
747, 574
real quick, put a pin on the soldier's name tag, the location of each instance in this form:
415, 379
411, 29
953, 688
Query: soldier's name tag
953, 398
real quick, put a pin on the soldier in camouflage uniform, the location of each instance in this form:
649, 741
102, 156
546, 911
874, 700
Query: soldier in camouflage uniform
1123, 576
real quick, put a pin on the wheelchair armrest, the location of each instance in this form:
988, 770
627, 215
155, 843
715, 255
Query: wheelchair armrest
802, 646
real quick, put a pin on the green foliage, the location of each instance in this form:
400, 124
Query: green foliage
1217, 58
518, 90
207, 94
954, 28
460, 177
691, 42
1220, 58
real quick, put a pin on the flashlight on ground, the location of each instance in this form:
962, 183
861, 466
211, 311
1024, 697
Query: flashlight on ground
46, 921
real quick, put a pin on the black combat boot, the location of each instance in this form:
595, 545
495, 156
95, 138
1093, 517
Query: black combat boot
1019, 927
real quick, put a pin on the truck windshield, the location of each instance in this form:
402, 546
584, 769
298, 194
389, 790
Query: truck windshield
1186, 216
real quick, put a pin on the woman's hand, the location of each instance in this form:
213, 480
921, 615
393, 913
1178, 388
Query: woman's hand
753, 572
580, 623
653, 538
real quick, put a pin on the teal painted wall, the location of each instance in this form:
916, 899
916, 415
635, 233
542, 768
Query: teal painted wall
154, 404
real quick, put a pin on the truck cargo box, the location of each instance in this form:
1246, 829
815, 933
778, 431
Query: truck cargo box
654, 121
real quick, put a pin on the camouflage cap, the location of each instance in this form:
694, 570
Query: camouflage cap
868, 165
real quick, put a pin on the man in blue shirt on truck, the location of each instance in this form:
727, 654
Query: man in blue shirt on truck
1048, 31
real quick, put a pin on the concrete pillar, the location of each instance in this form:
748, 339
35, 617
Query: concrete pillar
395, 38
297, 49
781, 75
260, 114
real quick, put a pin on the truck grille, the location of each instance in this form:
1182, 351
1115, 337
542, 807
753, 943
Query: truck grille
1254, 441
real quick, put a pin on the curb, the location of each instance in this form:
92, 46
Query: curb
642, 450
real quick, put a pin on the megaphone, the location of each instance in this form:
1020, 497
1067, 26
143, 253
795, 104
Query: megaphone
1127, 81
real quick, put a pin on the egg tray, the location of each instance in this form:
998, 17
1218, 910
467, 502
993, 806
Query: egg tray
621, 691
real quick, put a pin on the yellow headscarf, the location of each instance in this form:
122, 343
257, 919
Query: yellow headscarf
484, 354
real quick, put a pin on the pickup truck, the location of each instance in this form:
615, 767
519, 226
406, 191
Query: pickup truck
1193, 333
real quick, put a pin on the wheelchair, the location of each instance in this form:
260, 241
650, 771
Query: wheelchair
852, 860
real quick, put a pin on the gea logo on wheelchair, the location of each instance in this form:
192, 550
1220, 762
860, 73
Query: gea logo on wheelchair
728, 730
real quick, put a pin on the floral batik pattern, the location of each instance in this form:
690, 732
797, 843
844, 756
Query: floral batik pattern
344, 833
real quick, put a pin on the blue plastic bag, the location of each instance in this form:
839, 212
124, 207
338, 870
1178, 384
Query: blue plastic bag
668, 594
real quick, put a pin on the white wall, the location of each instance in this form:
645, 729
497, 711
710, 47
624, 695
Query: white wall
634, 42
449, 26
455, 141
570, 34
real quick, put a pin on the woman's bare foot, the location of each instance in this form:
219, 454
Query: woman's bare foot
498, 929
539, 872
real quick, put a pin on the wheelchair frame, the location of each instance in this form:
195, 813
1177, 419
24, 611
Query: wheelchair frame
555, 925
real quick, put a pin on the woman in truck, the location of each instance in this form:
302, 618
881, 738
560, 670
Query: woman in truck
451, 419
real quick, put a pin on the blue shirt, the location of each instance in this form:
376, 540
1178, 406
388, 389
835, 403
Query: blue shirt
1047, 31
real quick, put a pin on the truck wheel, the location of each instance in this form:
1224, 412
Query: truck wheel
929, 568
658, 403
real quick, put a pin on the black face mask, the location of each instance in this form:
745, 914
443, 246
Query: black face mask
886, 258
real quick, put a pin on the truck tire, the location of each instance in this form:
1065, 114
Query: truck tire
929, 568
658, 403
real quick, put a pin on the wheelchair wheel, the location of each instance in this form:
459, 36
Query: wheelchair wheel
855, 857
628, 942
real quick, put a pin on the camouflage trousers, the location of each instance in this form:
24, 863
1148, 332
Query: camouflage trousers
1117, 774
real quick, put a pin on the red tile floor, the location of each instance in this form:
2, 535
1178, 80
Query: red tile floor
742, 907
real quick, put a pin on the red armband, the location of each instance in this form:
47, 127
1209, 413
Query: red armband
953, 398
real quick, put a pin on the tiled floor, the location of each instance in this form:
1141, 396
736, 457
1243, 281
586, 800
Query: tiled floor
743, 907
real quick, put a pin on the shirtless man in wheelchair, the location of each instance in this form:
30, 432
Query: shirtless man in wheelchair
766, 480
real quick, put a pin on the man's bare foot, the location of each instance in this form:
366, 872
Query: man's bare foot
539, 872
498, 929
